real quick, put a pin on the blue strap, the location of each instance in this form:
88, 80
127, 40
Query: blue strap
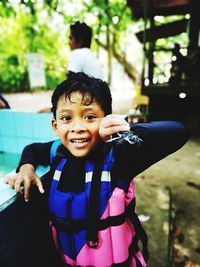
54, 148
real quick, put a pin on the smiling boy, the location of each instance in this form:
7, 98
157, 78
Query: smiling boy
78, 125
91, 192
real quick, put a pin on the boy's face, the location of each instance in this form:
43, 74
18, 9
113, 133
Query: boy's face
77, 125
73, 43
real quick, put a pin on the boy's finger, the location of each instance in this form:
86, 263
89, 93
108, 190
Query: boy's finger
39, 185
11, 181
26, 190
113, 122
17, 185
107, 132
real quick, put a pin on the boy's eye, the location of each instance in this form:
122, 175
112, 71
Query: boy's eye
90, 117
65, 118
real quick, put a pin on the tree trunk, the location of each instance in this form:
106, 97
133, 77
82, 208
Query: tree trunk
128, 68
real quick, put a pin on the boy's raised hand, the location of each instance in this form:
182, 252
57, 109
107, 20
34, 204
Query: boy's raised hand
26, 176
112, 124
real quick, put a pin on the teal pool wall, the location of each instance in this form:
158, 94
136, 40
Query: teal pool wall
8, 162
18, 129
24, 236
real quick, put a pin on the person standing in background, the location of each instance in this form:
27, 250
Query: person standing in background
82, 59
3, 102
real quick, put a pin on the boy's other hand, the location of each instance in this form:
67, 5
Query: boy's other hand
26, 176
112, 124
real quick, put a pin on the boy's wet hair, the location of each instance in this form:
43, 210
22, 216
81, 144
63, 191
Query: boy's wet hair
92, 89
82, 32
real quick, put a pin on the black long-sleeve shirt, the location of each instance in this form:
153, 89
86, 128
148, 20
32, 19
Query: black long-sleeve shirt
159, 140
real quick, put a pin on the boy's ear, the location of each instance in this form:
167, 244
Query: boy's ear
54, 126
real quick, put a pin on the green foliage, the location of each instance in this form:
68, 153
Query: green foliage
28, 30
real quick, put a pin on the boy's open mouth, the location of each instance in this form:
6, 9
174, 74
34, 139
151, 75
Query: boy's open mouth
79, 141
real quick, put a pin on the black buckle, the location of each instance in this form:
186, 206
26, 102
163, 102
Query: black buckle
92, 239
92, 244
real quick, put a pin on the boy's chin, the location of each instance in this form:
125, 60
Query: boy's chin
80, 154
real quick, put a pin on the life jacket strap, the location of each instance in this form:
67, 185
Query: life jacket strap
94, 199
140, 232
74, 226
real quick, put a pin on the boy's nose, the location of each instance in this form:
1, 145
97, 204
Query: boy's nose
78, 126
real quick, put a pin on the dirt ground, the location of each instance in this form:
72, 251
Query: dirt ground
179, 174
169, 190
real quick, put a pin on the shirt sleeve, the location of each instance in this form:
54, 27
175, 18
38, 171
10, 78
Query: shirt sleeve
159, 140
36, 154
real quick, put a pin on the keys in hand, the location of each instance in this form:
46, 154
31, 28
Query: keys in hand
123, 137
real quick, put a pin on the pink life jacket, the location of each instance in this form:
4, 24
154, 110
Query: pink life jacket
99, 237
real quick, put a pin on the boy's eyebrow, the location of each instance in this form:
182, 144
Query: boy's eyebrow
91, 109
65, 110
85, 109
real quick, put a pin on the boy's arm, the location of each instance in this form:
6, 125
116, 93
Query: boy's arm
159, 140
32, 155
36, 154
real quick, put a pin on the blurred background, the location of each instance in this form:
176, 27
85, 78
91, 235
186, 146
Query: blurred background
145, 47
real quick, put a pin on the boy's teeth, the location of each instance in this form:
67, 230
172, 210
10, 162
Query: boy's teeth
79, 141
